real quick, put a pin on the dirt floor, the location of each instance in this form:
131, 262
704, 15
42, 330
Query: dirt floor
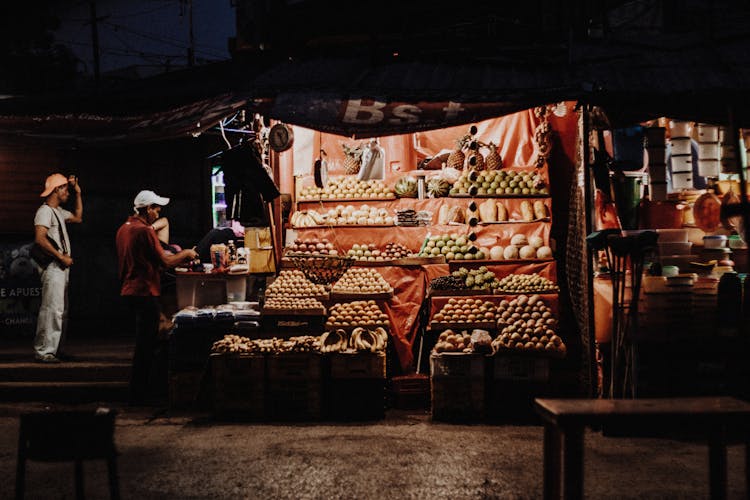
404, 456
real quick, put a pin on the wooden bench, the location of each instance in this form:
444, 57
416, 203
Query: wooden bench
565, 420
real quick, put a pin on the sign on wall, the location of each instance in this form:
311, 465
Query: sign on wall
20, 290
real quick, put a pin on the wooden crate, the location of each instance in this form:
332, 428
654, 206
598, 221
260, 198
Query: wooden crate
457, 387
239, 384
513, 381
184, 387
294, 366
410, 392
364, 365
294, 399
354, 399
294, 324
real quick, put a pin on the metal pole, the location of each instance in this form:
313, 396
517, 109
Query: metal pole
191, 47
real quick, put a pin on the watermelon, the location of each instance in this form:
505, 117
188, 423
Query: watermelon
438, 187
406, 187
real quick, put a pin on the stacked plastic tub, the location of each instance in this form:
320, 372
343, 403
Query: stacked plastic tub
682, 158
708, 150
657, 165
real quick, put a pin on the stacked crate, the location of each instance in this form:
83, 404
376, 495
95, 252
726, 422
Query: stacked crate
457, 386
513, 381
294, 386
239, 384
355, 386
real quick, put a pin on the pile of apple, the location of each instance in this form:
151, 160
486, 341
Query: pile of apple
363, 215
346, 188
452, 246
500, 183
312, 246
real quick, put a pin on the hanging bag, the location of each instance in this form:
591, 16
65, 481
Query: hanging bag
40, 256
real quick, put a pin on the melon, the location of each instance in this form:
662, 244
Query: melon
438, 187
406, 187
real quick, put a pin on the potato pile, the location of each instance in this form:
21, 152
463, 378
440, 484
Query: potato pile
344, 215
235, 344
453, 246
500, 183
477, 279
299, 304
362, 281
525, 283
242, 345
526, 323
466, 310
294, 283
312, 246
450, 341
356, 313
348, 187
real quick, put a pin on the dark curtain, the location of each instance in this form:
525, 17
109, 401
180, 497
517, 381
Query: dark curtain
247, 186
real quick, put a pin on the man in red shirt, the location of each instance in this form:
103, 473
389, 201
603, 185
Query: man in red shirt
140, 258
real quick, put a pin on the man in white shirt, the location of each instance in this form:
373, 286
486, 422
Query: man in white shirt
51, 234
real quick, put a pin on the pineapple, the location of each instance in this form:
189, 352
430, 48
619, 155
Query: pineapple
352, 158
493, 160
475, 160
457, 157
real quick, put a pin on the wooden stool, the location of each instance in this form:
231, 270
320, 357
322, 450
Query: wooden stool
59, 436
565, 420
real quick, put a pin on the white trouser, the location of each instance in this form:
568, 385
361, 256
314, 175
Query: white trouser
53, 313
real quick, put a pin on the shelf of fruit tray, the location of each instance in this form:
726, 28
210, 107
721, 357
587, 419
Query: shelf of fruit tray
342, 296
482, 325
309, 199
456, 263
499, 196
337, 226
273, 311
545, 219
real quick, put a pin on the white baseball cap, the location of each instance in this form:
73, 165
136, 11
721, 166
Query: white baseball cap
147, 198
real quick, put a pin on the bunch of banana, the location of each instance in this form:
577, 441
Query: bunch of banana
363, 339
333, 341
306, 218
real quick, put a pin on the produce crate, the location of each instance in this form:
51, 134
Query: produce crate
239, 384
513, 381
354, 386
457, 387
364, 365
410, 392
294, 366
184, 387
293, 399
299, 324
189, 347
294, 386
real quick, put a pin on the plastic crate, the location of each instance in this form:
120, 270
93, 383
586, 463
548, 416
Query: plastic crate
410, 392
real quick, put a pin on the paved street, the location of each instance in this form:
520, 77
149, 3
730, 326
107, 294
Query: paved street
405, 456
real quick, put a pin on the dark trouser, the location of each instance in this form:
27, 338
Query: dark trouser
145, 310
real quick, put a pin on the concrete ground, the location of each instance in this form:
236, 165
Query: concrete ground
191, 456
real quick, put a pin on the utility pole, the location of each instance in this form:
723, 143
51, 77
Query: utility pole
94, 39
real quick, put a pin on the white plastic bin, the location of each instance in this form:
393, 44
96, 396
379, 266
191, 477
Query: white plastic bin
680, 128
682, 180
708, 150
681, 146
708, 133
709, 168
682, 163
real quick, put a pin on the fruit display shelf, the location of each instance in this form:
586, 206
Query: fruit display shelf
294, 312
540, 196
340, 296
481, 325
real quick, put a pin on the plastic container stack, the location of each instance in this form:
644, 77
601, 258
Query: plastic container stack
708, 150
682, 159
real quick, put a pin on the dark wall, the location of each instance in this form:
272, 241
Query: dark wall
110, 177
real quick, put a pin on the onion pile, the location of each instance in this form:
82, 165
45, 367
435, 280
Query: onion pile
301, 304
